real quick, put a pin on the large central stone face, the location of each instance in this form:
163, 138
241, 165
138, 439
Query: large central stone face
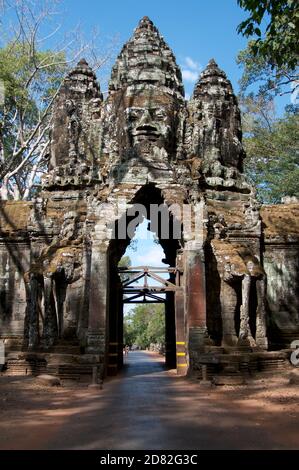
150, 118
147, 121
140, 128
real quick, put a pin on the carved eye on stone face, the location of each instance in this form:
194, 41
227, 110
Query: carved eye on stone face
133, 114
159, 114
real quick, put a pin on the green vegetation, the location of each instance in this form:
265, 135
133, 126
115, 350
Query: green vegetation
31, 80
34, 57
270, 67
145, 324
272, 148
274, 25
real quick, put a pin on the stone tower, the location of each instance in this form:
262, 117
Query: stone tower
142, 115
73, 136
216, 126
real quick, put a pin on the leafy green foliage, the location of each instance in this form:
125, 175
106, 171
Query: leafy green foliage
27, 90
145, 324
272, 147
271, 59
275, 23
257, 69
125, 262
35, 55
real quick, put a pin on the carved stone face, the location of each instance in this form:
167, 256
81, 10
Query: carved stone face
150, 119
150, 123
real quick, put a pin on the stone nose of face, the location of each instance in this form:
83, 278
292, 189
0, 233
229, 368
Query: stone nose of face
145, 118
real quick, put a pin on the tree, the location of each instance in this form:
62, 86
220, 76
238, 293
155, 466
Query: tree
271, 145
272, 56
144, 325
156, 325
31, 74
30, 90
270, 59
125, 262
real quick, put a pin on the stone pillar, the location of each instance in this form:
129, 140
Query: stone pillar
261, 331
228, 299
181, 357
245, 335
97, 322
195, 286
50, 332
170, 349
120, 337
33, 312
114, 324
244, 310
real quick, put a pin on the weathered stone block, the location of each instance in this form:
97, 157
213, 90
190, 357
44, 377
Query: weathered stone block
48, 380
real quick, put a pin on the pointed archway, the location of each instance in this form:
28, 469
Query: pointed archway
147, 199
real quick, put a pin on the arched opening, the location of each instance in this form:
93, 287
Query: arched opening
161, 248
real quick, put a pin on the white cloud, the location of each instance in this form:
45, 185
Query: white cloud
190, 69
192, 64
152, 257
189, 75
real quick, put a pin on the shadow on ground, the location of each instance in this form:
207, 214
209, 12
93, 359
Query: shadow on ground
148, 407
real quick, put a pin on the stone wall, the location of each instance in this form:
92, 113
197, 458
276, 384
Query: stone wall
280, 257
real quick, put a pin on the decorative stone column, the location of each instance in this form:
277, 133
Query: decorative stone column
244, 309
115, 346
50, 333
195, 300
261, 330
228, 299
181, 357
245, 335
170, 347
97, 322
32, 308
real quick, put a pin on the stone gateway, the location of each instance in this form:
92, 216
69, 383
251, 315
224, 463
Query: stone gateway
235, 305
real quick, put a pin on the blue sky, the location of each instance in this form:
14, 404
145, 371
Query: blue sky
148, 252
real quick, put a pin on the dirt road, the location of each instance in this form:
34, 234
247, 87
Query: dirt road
148, 407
